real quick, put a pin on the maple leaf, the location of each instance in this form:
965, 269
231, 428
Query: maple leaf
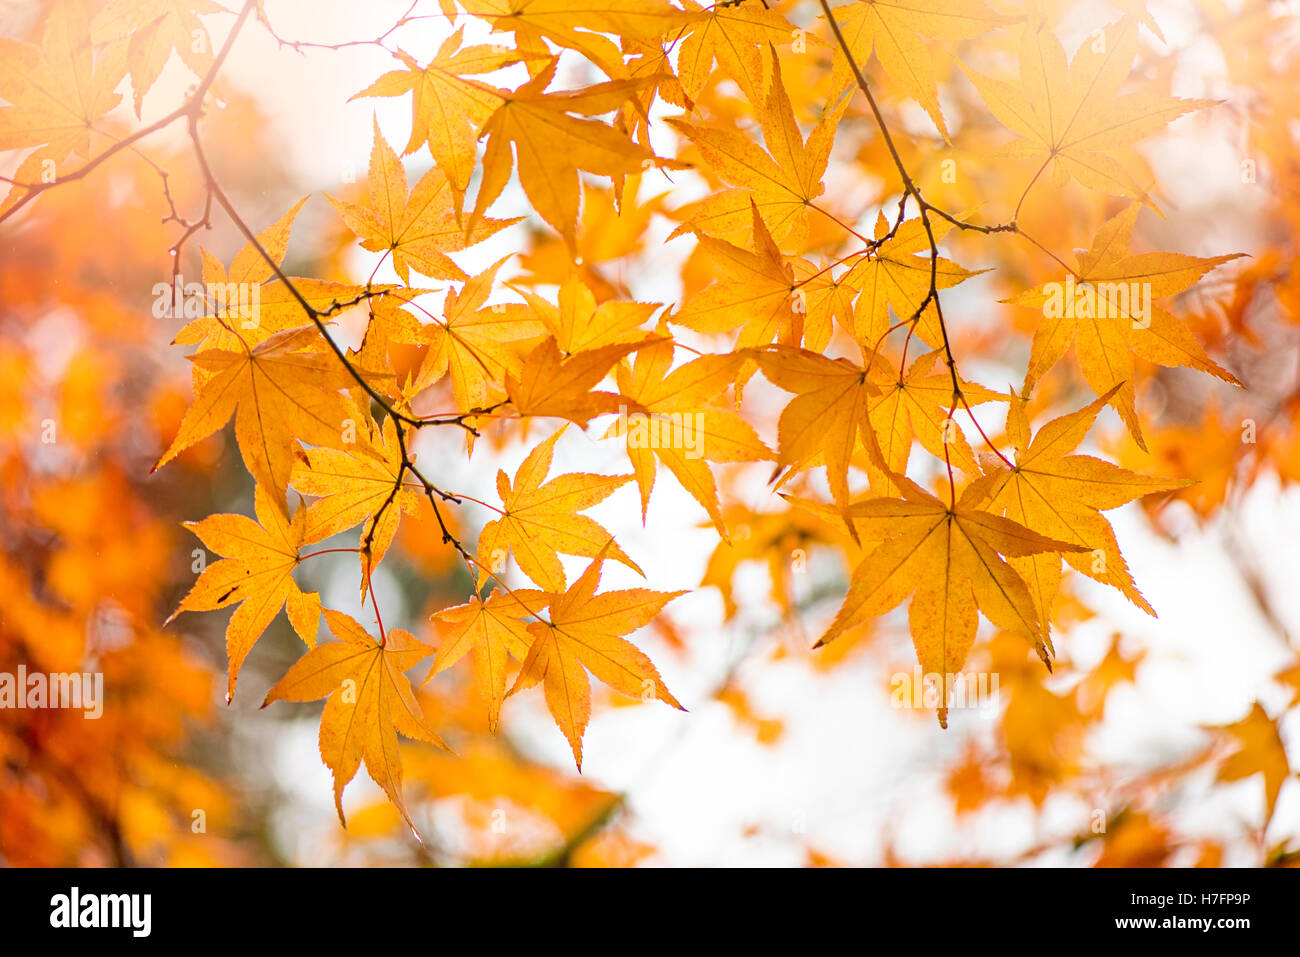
781, 182
580, 325
916, 405
1111, 316
829, 413
822, 299
1061, 495
355, 486
1074, 118
1256, 748
897, 276
369, 703
578, 28
755, 290
56, 92
282, 389
733, 34
540, 520
492, 631
552, 145
894, 31
949, 559
256, 573
680, 404
420, 230
476, 344
584, 633
448, 110
156, 28
551, 385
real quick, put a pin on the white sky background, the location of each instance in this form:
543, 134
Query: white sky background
848, 770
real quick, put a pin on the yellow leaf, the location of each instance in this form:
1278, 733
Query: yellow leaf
156, 28
755, 290
540, 519
829, 413
676, 421
894, 31
1075, 118
420, 230
448, 110
492, 631
1106, 310
354, 486
478, 345
369, 703
281, 390
585, 634
256, 574
950, 559
552, 145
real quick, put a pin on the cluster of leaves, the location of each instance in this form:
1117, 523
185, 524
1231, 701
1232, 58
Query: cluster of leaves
839, 310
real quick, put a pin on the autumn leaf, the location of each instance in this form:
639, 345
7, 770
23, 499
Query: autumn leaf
535, 21
949, 558
256, 574
1107, 311
369, 702
578, 324
418, 230
734, 35
57, 92
894, 30
492, 632
551, 145
283, 389
1074, 118
829, 414
681, 405
476, 344
360, 485
447, 110
156, 28
915, 406
754, 292
780, 182
584, 633
550, 384
897, 276
235, 316
1061, 495
540, 519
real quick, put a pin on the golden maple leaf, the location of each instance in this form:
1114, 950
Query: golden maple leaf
584, 633
283, 389
949, 558
256, 573
492, 631
418, 230
369, 703
540, 519
1074, 117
